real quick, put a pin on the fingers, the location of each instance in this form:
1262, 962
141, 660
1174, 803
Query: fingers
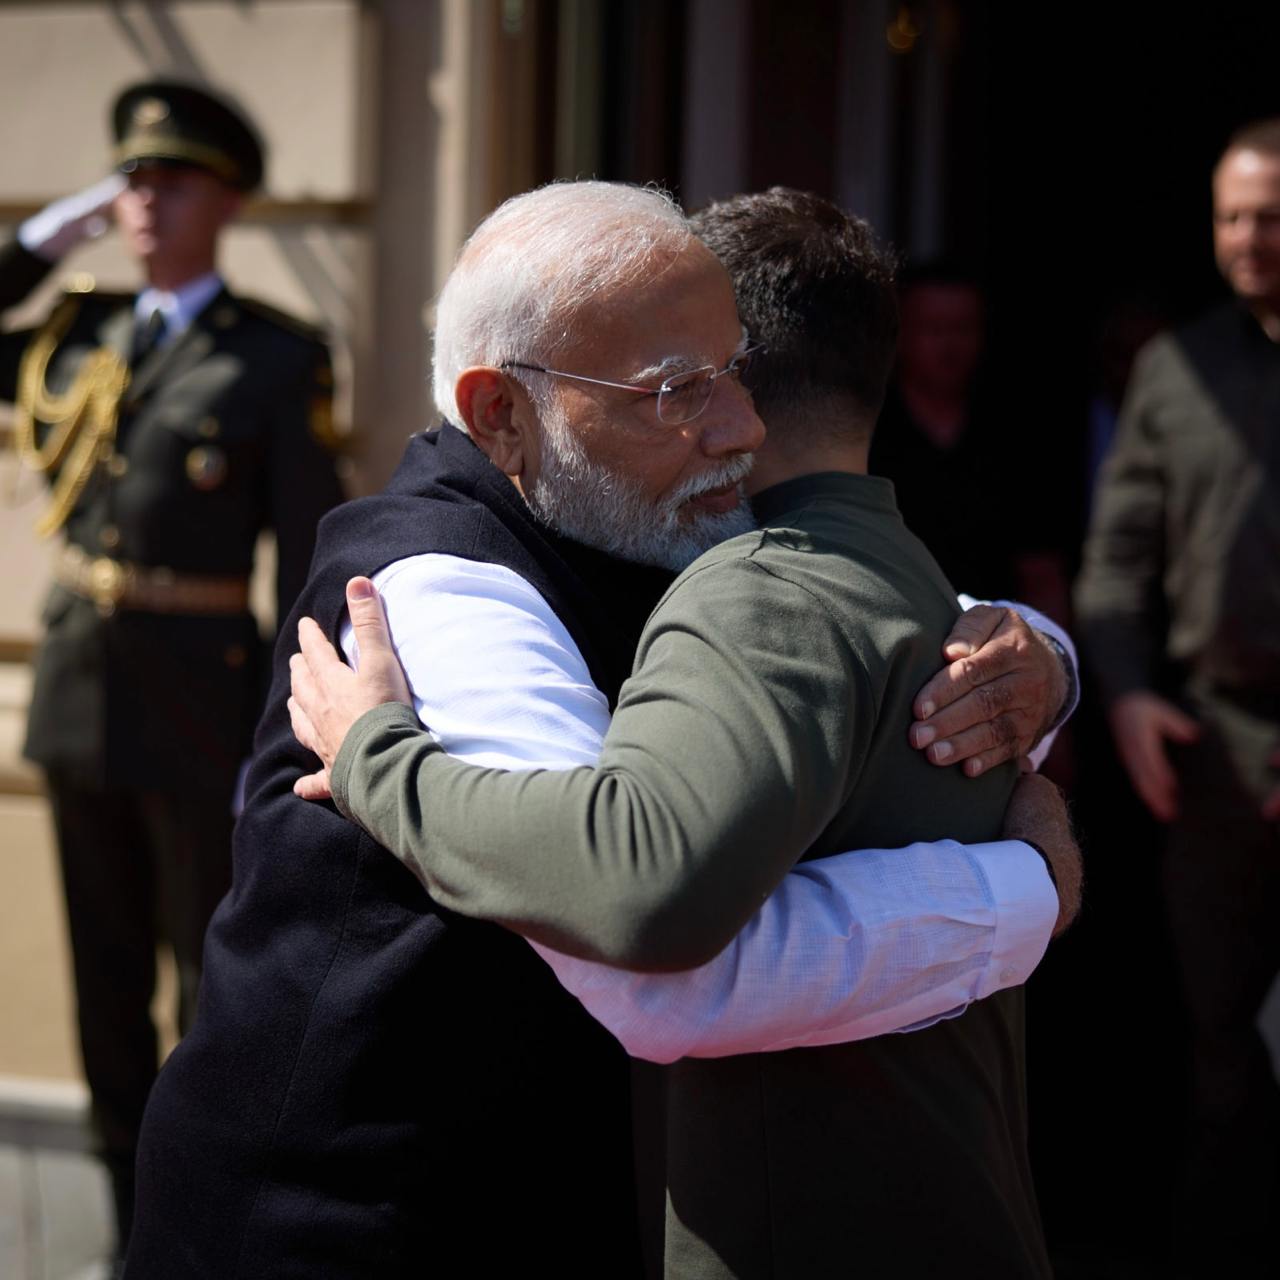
303, 729
380, 669
313, 786
1177, 725
996, 722
364, 604
319, 654
1152, 775
997, 650
989, 743
972, 630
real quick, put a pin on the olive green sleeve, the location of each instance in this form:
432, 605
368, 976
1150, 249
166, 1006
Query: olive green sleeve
733, 744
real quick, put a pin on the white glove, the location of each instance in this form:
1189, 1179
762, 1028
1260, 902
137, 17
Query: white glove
62, 225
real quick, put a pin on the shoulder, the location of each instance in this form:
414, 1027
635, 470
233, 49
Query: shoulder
268, 323
80, 296
440, 573
756, 583
1173, 370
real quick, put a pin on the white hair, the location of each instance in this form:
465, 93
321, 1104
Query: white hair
529, 269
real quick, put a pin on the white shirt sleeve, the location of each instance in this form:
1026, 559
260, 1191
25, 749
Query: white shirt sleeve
1041, 622
845, 948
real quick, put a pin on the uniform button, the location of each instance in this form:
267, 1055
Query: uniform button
109, 537
1007, 975
117, 465
235, 655
209, 428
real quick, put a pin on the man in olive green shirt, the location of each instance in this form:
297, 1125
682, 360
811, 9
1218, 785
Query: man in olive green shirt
764, 723
1179, 603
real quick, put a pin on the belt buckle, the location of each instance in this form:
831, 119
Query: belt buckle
108, 581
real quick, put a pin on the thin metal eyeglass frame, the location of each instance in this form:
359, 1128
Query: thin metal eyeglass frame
738, 364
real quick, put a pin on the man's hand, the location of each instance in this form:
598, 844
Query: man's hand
328, 697
1002, 690
1271, 805
1037, 812
1141, 723
65, 223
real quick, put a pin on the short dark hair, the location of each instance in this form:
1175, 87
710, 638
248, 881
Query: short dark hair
815, 286
1260, 135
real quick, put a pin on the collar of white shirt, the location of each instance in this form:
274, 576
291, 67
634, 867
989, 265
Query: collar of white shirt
180, 307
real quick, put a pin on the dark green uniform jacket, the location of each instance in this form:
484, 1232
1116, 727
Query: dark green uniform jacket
214, 444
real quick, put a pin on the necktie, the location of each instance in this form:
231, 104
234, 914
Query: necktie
146, 335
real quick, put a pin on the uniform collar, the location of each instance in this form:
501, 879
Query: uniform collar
180, 307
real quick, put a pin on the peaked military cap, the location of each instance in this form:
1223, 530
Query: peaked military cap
169, 122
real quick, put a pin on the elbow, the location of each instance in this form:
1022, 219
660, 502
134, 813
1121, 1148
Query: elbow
668, 935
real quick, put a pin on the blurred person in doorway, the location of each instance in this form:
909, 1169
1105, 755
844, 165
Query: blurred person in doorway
944, 434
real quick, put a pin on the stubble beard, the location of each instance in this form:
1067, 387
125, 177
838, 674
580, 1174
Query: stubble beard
591, 504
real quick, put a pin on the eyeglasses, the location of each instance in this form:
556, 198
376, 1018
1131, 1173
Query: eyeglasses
681, 398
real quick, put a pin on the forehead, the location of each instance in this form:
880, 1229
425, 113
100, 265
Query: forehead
1246, 177
171, 176
679, 310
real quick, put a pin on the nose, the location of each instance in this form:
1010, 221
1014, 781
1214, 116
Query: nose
731, 424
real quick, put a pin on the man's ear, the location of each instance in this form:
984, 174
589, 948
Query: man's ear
498, 417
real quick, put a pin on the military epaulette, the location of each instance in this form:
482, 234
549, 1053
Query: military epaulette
78, 284
282, 319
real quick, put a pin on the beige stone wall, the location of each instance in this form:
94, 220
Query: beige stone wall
295, 65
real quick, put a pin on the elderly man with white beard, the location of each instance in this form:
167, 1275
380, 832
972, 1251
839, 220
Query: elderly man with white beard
376, 1086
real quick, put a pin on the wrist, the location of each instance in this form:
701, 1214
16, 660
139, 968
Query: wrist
1065, 686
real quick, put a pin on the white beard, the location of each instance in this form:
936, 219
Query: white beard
587, 502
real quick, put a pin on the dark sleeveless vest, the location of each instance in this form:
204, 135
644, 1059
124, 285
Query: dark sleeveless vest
374, 1087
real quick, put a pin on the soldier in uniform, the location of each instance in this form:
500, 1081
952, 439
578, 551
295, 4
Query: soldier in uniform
173, 427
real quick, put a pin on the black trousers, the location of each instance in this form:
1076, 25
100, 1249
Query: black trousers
1222, 892
139, 868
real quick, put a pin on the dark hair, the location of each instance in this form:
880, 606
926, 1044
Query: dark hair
815, 287
1260, 135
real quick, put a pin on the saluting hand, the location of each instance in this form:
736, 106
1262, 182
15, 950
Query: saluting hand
328, 697
65, 223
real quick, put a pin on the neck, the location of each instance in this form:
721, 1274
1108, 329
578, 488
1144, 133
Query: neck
171, 276
798, 446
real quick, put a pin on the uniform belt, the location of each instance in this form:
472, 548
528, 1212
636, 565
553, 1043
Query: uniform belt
117, 584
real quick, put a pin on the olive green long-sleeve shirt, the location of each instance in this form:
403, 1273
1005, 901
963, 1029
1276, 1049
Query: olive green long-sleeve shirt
1181, 579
